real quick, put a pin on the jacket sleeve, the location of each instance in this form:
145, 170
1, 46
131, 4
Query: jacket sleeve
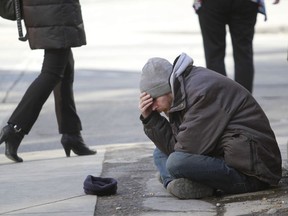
203, 123
159, 131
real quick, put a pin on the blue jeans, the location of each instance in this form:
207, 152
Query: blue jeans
206, 170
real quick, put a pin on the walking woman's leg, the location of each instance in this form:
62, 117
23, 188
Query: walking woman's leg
38, 92
28, 110
67, 118
69, 123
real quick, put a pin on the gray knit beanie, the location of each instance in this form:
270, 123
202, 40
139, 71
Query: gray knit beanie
155, 77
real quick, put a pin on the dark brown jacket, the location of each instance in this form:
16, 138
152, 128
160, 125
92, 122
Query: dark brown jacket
53, 24
213, 115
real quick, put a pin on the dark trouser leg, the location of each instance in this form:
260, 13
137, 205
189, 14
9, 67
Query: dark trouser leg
212, 19
67, 118
241, 24
31, 104
68, 121
27, 111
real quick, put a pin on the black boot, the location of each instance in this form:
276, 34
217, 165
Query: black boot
75, 143
12, 138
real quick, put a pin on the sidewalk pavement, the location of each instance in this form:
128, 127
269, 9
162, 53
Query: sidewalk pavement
48, 183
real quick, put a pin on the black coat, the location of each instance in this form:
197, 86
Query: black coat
54, 24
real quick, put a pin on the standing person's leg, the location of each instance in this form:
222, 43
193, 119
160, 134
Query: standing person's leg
212, 20
212, 172
28, 110
241, 25
69, 122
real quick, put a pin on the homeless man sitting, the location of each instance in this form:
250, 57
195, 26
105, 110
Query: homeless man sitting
210, 133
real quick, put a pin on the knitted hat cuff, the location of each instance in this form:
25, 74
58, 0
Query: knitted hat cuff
160, 90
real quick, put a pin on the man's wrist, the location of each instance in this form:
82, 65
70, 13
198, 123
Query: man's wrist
146, 119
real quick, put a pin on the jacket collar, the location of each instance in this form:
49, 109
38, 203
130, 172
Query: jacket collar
179, 67
177, 82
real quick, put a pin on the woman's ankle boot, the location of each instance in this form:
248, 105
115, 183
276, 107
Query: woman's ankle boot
75, 143
12, 138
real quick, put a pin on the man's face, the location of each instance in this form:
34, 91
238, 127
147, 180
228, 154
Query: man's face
162, 103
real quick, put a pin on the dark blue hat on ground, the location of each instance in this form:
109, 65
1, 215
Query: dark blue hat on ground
99, 186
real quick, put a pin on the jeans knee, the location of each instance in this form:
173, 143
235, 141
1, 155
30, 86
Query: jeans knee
174, 164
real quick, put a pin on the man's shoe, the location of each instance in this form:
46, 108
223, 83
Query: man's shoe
185, 189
